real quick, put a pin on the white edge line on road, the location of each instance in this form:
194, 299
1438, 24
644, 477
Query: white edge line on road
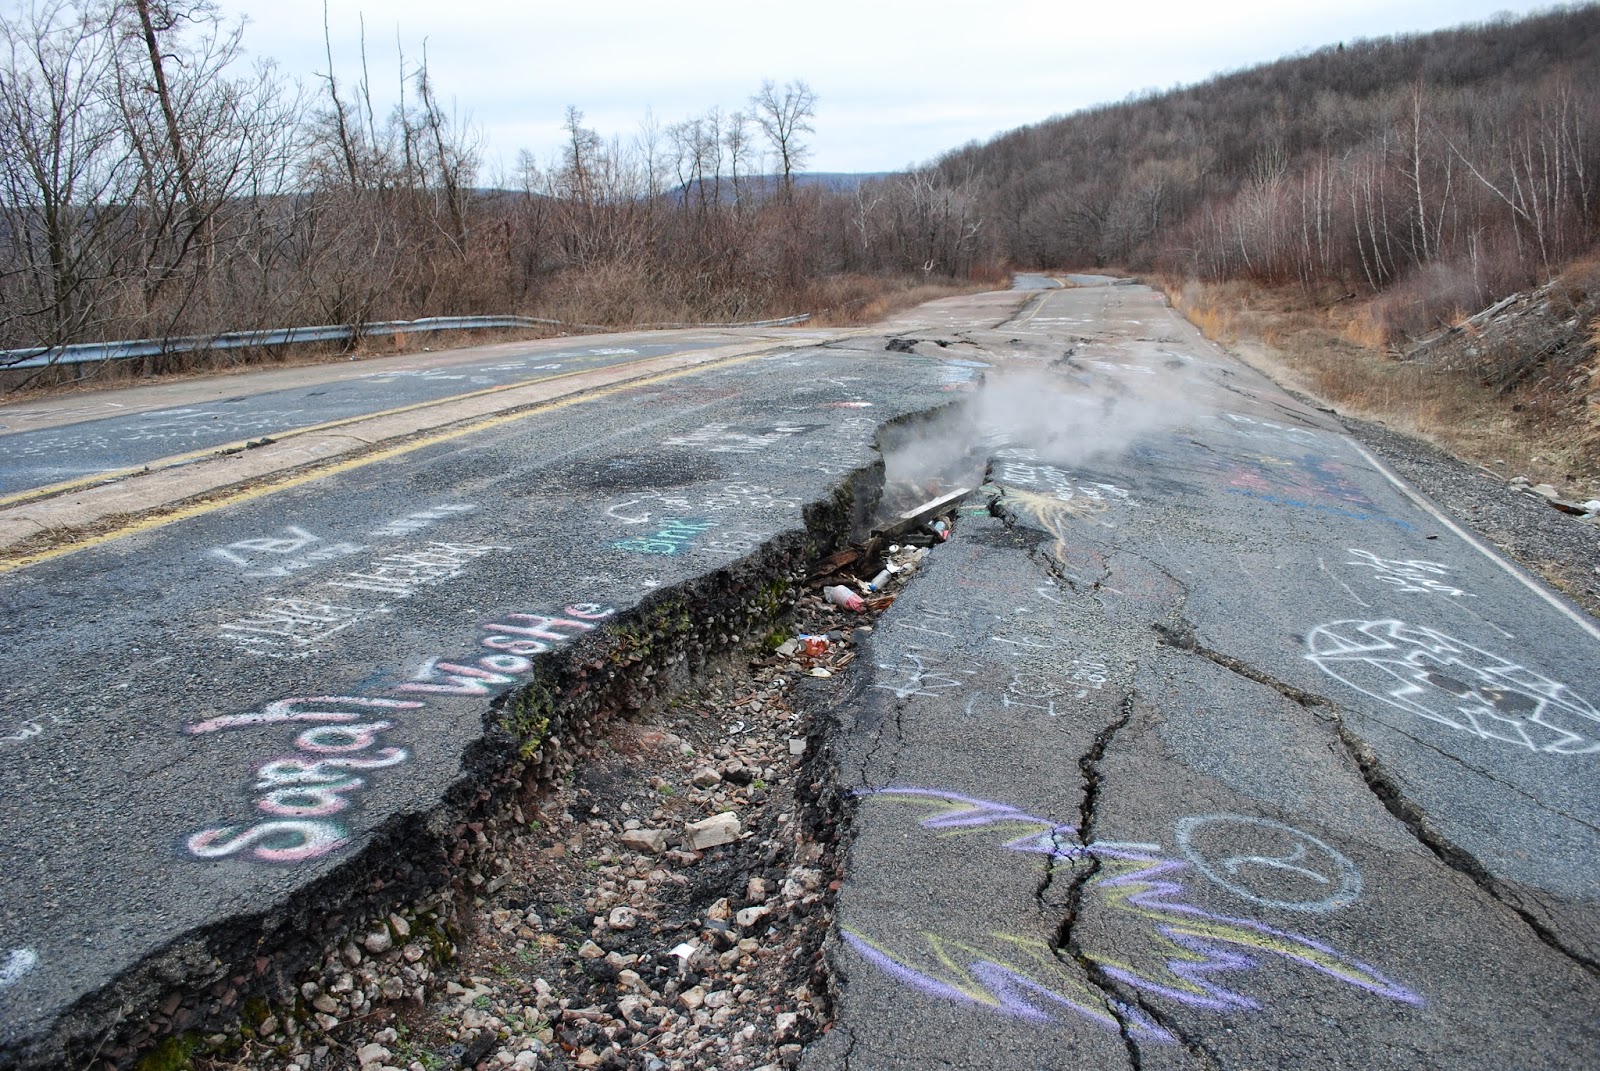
1576, 616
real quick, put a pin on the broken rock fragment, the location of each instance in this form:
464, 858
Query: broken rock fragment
710, 832
653, 841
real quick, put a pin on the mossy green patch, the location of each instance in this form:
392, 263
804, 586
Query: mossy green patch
175, 1053
529, 716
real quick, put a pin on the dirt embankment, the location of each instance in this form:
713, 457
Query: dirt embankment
1514, 387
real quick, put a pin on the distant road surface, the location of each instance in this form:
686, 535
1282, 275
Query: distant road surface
90, 433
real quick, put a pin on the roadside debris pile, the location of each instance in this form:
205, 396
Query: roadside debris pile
1540, 338
661, 909
1540, 349
1588, 511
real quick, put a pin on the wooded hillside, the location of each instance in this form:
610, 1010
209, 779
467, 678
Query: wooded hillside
1445, 169
156, 183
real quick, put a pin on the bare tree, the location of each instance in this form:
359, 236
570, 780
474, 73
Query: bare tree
647, 144
64, 170
783, 117
209, 131
736, 139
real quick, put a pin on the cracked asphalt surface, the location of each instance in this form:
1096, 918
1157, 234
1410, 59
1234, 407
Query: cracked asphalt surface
1202, 743
210, 722
69, 438
1205, 746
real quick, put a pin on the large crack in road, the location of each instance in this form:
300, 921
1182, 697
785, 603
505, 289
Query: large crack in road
1195, 872
693, 838
1387, 790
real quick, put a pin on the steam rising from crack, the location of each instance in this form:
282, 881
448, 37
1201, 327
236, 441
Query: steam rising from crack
1064, 418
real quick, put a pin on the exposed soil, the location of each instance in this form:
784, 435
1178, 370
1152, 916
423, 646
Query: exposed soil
1514, 386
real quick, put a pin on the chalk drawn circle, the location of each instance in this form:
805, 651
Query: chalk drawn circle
1323, 864
1446, 680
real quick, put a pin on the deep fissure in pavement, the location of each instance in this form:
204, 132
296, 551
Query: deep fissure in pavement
213, 984
1066, 943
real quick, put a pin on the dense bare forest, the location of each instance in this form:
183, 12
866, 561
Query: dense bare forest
154, 183
1443, 169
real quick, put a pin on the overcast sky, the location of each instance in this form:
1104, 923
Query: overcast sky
898, 82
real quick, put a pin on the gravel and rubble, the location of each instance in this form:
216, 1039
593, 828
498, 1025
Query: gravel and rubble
661, 907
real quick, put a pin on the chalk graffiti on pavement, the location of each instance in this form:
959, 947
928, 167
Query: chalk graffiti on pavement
1442, 679
299, 626
670, 538
1308, 482
285, 551
1250, 428
341, 738
1175, 949
730, 439
1409, 577
716, 498
1091, 495
18, 962
919, 673
1219, 847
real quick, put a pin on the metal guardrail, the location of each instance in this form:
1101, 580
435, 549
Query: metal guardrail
94, 352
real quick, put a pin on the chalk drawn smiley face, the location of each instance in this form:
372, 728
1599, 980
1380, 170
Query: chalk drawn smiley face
1264, 862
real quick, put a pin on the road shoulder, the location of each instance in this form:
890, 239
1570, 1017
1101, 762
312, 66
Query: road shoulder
1562, 549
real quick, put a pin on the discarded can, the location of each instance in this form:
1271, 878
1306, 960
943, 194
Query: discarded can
840, 595
940, 529
879, 582
813, 646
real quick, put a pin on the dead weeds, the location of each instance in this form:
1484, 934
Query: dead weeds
1335, 348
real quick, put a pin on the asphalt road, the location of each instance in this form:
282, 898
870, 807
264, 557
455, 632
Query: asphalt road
69, 438
206, 719
1204, 745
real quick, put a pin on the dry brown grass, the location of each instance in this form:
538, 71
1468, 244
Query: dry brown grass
851, 300
1337, 351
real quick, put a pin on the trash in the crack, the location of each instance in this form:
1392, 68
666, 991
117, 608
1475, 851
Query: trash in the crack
940, 528
905, 559
684, 953
881, 581
821, 672
842, 596
907, 524
813, 646
835, 562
